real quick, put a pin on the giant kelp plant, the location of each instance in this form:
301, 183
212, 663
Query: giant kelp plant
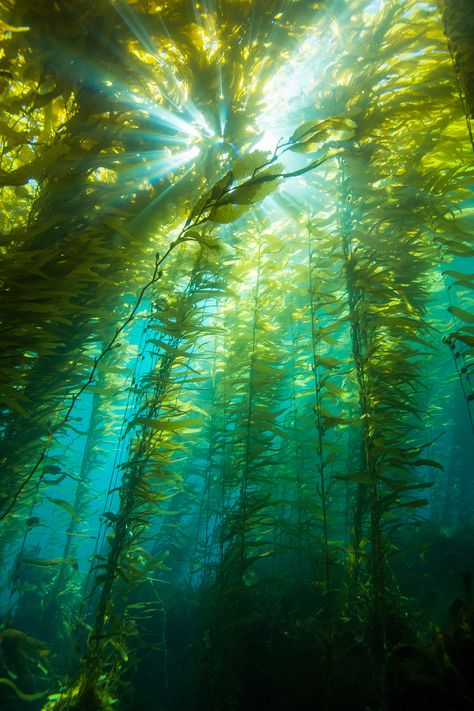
236, 405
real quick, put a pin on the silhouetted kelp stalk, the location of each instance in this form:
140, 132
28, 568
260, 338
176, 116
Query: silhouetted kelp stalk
249, 415
321, 427
386, 320
296, 461
202, 556
359, 350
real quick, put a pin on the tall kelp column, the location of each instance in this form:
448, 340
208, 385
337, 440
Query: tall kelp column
237, 355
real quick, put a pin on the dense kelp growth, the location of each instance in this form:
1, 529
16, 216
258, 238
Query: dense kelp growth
236, 405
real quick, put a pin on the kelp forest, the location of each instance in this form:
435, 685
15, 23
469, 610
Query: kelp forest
237, 355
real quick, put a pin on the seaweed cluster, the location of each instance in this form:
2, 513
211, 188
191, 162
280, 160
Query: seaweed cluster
236, 407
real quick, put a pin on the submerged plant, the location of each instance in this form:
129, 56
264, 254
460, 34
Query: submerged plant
236, 313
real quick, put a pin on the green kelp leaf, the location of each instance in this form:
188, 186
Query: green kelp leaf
334, 389
248, 163
461, 314
402, 486
330, 459
32, 521
428, 463
58, 480
51, 562
463, 284
310, 136
332, 308
265, 369
66, 506
120, 649
21, 694
456, 247
14, 137
329, 421
468, 340
355, 478
13, 405
459, 276
168, 425
168, 347
415, 503
329, 362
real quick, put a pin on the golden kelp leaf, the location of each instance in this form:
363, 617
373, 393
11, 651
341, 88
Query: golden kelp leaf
199, 208
464, 284
222, 186
245, 194
66, 506
207, 201
204, 240
227, 213
247, 164
461, 314
455, 247
310, 136
253, 190
328, 362
5, 27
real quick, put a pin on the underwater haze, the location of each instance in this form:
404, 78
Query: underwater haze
237, 355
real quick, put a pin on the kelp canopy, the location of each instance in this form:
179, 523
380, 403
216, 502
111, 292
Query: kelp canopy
236, 404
